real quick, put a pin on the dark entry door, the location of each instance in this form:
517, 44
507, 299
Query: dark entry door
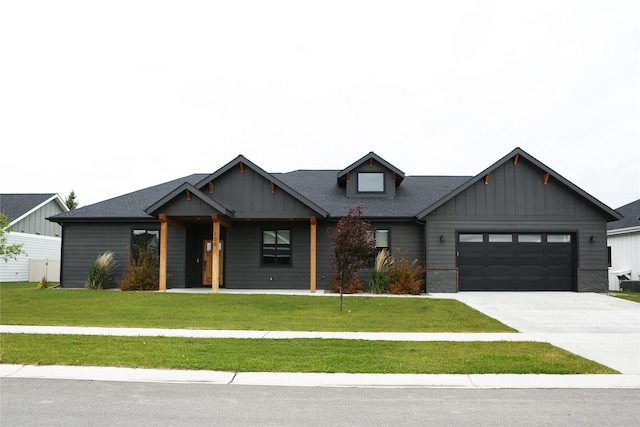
516, 261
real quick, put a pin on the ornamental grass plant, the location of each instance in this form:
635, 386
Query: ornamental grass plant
101, 270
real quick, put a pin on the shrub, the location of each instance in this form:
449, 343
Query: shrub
377, 278
100, 270
43, 284
404, 277
354, 286
142, 273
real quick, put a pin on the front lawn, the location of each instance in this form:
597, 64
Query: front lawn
628, 295
24, 304
296, 355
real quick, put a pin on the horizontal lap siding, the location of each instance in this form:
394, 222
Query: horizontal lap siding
83, 243
244, 251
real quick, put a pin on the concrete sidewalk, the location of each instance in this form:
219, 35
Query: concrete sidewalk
473, 381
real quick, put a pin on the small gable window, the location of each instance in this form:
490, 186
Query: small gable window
371, 182
276, 247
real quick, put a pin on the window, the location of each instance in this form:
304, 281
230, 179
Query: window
276, 247
609, 255
529, 238
143, 240
371, 182
382, 242
500, 238
559, 238
470, 238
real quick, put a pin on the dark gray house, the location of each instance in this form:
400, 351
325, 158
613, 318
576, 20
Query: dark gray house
518, 225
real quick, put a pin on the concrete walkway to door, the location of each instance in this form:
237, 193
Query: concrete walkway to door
595, 326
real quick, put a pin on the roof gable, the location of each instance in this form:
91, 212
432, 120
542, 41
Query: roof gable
370, 159
175, 202
244, 185
547, 174
19, 206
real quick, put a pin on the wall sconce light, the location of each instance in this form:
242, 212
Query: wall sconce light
592, 238
442, 237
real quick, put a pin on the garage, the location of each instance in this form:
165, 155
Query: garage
516, 261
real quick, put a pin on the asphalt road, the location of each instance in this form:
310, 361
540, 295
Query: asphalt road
47, 402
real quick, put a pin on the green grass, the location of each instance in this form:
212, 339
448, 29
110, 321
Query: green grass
296, 355
628, 295
24, 304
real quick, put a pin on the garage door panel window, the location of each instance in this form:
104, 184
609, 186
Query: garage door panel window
471, 238
559, 238
529, 238
500, 238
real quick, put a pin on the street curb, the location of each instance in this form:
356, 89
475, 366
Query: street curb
294, 379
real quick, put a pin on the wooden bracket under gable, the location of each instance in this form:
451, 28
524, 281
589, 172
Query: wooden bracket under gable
347, 177
188, 195
515, 159
273, 188
371, 162
486, 179
241, 167
546, 178
210, 187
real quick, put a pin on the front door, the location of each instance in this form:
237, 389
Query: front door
207, 257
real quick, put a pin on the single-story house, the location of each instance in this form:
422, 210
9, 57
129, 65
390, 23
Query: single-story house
623, 238
516, 226
40, 239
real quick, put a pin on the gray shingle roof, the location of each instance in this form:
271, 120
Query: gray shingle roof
319, 186
128, 206
630, 216
16, 205
415, 193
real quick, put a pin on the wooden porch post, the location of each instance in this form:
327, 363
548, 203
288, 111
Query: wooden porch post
215, 260
164, 231
312, 257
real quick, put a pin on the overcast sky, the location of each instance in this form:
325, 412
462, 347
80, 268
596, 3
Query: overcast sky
108, 97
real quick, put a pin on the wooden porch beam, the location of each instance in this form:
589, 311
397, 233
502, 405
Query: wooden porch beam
224, 221
164, 231
313, 254
171, 221
215, 256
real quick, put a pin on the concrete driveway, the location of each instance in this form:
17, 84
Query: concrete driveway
595, 326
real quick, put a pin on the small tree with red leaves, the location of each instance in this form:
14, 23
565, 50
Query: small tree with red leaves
353, 242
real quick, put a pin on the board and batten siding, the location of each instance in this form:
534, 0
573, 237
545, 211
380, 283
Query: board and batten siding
36, 222
251, 196
515, 198
625, 255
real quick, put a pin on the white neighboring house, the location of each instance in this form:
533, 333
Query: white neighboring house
623, 240
41, 239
